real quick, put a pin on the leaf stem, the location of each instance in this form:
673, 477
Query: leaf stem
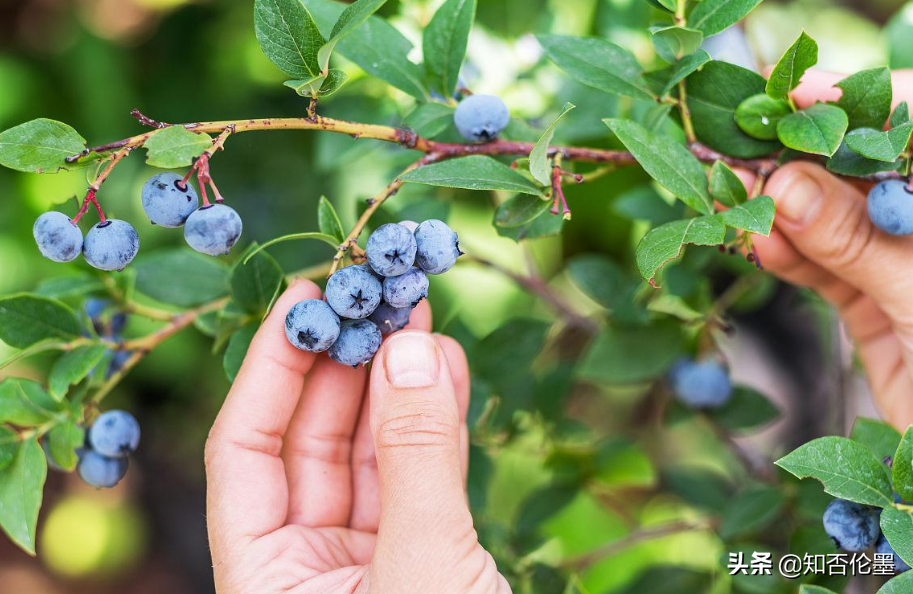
687, 124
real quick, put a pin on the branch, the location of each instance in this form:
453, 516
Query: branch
616, 546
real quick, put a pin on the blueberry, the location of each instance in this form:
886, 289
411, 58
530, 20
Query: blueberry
117, 362
480, 118
100, 471
357, 343
354, 292
703, 384
111, 245
390, 319
115, 434
311, 325
213, 229
853, 527
57, 237
391, 250
406, 290
166, 202
410, 225
883, 547
891, 207
438, 247
94, 307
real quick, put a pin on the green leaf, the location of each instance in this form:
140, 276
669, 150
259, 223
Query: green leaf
867, 98
25, 403
288, 36
9, 443
818, 129
237, 350
306, 87
69, 286
674, 43
334, 81
538, 157
477, 172
181, 277
801, 55
668, 162
26, 319
902, 584
520, 210
429, 119
756, 215
897, 527
444, 43
63, 441
806, 589
714, 95
354, 15
509, 350
713, 16
751, 511
747, 409
175, 146
256, 281
880, 146
846, 162
901, 115
73, 367
328, 221
666, 242
663, 81
759, 115
725, 186
881, 438
327, 239
627, 355
902, 467
597, 63
21, 491
40, 146
545, 225
846, 469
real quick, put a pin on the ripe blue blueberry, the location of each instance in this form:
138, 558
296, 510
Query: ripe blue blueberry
100, 471
115, 434
703, 384
406, 290
357, 343
117, 362
111, 245
57, 237
891, 207
390, 319
354, 292
311, 325
438, 247
391, 250
883, 547
213, 229
166, 201
480, 118
853, 527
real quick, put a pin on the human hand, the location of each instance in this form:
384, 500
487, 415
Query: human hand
324, 480
823, 239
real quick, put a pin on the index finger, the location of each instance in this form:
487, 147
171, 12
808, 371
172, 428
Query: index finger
247, 494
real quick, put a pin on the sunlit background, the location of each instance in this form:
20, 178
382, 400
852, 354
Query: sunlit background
89, 62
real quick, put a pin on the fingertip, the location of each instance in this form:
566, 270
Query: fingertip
817, 85
421, 317
459, 370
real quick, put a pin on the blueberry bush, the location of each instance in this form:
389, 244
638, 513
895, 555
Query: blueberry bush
671, 123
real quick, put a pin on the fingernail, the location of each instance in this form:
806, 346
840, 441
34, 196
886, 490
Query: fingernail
801, 201
411, 360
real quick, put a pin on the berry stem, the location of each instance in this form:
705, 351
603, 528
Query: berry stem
96, 185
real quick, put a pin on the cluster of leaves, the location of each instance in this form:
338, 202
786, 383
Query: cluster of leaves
523, 369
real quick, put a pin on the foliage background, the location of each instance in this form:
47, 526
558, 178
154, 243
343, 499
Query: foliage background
88, 62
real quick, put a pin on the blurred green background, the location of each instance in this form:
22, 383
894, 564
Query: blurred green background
89, 62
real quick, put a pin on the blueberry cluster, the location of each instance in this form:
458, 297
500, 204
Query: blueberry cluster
855, 528
700, 384
366, 301
112, 244
112, 437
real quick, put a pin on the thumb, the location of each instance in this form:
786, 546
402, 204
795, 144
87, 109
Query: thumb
826, 220
415, 419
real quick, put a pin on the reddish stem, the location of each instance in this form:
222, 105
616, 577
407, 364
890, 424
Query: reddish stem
558, 194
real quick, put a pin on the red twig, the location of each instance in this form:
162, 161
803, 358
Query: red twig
147, 121
558, 194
